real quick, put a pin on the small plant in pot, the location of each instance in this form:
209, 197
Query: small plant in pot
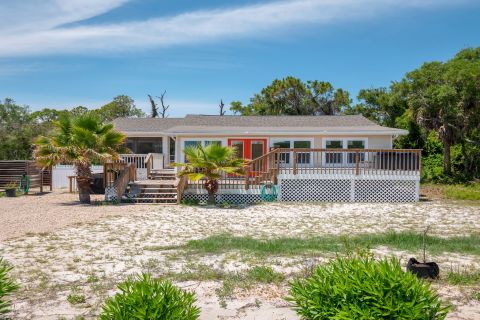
426, 270
11, 189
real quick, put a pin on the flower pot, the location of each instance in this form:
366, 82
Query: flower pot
11, 192
427, 270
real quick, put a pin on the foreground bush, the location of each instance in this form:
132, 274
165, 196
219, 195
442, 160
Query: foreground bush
144, 298
362, 288
7, 286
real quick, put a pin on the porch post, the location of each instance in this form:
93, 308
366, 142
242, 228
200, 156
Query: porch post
165, 151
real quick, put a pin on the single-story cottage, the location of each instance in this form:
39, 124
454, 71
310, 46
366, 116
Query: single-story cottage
307, 158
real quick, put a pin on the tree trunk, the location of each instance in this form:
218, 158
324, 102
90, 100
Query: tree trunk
84, 176
212, 187
446, 157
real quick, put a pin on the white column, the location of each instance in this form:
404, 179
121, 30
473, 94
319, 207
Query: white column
165, 150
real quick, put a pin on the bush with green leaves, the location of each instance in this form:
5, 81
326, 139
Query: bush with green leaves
363, 288
7, 286
142, 297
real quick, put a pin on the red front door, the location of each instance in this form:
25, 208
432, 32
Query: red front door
249, 148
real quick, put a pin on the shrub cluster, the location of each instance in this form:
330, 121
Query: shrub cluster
142, 297
362, 288
7, 287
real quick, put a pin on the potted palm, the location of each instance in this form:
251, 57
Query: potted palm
210, 163
11, 189
80, 141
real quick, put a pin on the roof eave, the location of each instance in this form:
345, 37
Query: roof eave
395, 132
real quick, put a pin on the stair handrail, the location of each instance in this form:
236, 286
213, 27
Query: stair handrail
128, 175
149, 163
262, 168
181, 184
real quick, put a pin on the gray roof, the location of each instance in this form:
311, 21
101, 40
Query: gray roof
199, 124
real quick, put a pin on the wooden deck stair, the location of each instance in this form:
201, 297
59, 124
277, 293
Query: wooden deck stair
159, 188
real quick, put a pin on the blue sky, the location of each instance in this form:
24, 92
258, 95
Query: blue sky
56, 53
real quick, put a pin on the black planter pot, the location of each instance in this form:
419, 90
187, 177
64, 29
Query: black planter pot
427, 270
11, 192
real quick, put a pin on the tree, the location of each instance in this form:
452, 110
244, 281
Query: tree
164, 107
17, 131
220, 107
237, 108
78, 111
154, 113
291, 96
121, 107
155, 107
326, 100
80, 141
210, 163
381, 105
434, 104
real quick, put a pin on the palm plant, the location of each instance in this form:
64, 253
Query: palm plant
210, 163
80, 141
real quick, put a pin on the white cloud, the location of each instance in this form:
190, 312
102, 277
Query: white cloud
42, 30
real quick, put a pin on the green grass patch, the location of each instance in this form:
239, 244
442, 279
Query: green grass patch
407, 241
476, 295
470, 191
463, 278
463, 192
264, 274
197, 272
75, 298
246, 279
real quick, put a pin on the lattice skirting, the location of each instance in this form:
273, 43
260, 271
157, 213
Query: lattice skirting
315, 190
349, 190
111, 194
386, 191
230, 198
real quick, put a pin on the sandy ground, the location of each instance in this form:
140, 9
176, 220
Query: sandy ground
52, 211
59, 248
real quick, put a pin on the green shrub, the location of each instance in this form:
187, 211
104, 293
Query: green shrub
190, 202
7, 287
142, 297
75, 298
362, 288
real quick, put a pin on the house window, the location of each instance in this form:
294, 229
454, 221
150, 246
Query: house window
334, 157
209, 142
302, 157
257, 148
284, 156
194, 142
238, 146
189, 143
355, 144
345, 143
145, 146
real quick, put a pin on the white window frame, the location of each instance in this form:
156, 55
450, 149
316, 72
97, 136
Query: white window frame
223, 142
345, 147
292, 140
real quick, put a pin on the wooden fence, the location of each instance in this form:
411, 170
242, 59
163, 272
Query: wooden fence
12, 171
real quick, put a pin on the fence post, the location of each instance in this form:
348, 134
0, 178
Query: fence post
247, 177
294, 162
357, 163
